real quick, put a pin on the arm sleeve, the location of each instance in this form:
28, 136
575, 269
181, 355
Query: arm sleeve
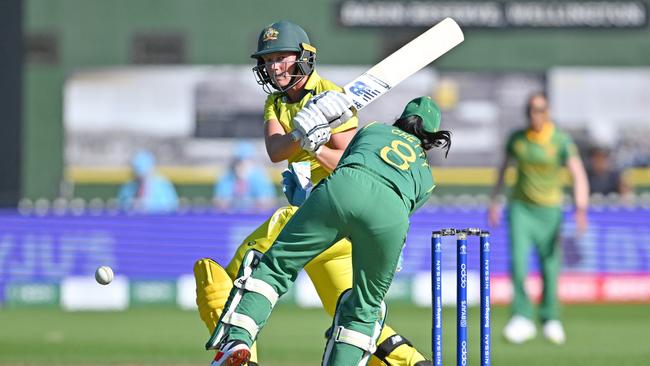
269, 108
568, 149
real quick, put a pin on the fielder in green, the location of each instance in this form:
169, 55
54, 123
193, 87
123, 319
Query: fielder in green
382, 178
540, 152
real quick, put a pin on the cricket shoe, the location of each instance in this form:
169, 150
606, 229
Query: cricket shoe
519, 330
554, 332
233, 353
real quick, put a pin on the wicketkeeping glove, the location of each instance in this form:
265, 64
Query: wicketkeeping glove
334, 105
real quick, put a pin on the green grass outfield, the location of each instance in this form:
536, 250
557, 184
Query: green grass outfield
597, 335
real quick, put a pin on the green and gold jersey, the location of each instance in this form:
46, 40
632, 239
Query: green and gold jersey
540, 160
278, 108
395, 158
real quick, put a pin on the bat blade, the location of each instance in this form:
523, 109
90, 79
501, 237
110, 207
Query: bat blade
404, 62
401, 64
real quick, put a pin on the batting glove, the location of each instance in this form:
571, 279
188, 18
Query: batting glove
313, 141
334, 105
309, 118
314, 129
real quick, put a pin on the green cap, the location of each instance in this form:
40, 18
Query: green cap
426, 109
281, 36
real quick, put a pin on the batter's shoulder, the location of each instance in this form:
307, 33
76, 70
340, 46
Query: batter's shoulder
326, 84
273, 97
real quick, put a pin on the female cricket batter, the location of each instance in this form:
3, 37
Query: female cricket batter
285, 61
381, 179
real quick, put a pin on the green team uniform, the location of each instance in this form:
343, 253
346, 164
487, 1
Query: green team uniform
535, 214
381, 179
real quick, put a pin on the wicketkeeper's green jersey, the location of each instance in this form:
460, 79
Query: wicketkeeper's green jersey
396, 158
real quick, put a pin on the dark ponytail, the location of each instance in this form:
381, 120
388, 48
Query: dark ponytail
413, 125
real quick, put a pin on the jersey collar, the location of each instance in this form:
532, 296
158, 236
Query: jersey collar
543, 136
313, 80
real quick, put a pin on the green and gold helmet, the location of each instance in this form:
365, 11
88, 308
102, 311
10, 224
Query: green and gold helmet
283, 36
280, 36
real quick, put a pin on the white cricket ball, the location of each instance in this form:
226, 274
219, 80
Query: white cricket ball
104, 275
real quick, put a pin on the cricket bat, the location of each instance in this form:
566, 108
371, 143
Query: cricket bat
401, 64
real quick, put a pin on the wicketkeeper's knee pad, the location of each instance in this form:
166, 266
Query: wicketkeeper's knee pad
243, 283
212, 289
339, 334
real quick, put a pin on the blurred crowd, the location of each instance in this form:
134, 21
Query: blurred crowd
247, 185
243, 186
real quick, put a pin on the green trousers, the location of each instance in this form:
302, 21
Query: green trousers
350, 203
536, 225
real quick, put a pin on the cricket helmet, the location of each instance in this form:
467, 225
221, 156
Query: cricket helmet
283, 36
